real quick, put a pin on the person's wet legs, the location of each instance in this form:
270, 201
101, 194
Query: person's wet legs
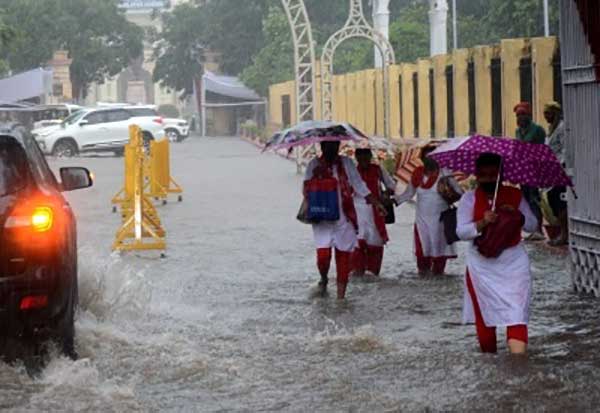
424, 264
323, 264
517, 338
343, 262
359, 258
374, 259
486, 335
439, 265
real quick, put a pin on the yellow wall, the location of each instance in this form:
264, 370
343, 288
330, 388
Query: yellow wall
511, 53
358, 97
441, 95
542, 54
460, 63
483, 88
423, 67
408, 112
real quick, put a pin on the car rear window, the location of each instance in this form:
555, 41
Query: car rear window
14, 169
142, 112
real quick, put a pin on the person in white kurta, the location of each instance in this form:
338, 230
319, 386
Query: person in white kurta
431, 248
372, 232
340, 235
502, 285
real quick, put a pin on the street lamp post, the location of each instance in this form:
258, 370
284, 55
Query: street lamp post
546, 19
454, 25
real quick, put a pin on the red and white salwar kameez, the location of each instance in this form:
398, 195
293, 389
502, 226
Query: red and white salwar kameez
372, 234
340, 235
497, 290
430, 245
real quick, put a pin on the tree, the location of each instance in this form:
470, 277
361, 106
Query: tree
179, 50
274, 63
99, 39
409, 34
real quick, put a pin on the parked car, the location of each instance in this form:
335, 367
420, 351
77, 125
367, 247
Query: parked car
48, 115
176, 130
98, 130
38, 257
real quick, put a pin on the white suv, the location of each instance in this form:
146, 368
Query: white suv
98, 130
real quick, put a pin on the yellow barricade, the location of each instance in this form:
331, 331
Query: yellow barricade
160, 182
141, 229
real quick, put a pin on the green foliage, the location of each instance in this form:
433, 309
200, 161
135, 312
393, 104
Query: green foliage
178, 50
275, 61
168, 111
99, 39
409, 34
253, 38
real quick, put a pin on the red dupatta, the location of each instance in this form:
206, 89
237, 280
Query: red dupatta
372, 177
418, 176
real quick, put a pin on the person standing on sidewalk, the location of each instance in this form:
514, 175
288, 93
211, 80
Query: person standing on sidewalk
557, 195
497, 289
431, 247
340, 235
530, 132
372, 234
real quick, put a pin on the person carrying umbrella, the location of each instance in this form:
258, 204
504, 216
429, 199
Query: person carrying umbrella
491, 218
431, 247
372, 234
341, 234
557, 195
530, 132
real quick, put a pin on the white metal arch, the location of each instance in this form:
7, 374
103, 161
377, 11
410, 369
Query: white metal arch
304, 58
356, 27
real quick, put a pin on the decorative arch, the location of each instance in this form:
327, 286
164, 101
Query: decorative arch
356, 27
304, 58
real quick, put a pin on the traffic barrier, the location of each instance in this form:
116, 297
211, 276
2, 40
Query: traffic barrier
160, 183
141, 229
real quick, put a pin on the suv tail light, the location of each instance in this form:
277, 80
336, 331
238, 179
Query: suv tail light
160, 121
40, 219
33, 302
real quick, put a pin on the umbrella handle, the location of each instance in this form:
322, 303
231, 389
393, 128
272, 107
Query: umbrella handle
497, 188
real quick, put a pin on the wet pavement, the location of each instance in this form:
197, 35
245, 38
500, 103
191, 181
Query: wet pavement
228, 321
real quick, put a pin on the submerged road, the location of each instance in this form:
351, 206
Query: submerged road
227, 322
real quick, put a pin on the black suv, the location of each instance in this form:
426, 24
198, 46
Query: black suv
38, 245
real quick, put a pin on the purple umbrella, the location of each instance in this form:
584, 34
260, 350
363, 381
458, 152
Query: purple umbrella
523, 163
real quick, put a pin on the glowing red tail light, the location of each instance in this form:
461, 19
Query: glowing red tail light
39, 219
34, 302
160, 121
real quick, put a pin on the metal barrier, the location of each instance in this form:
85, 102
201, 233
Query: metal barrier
160, 182
141, 229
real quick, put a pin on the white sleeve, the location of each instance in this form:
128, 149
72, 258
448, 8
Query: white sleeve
407, 195
466, 227
308, 175
389, 183
356, 181
452, 181
531, 222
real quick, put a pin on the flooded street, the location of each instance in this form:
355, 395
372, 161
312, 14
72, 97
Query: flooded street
228, 322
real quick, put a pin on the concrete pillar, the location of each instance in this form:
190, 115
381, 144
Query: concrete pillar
542, 54
460, 62
423, 67
441, 95
408, 107
512, 50
381, 22
438, 21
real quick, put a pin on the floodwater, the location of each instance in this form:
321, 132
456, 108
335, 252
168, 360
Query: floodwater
227, 322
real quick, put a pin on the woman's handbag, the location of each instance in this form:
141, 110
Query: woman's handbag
447, 192
302, 215
449, 221
503, 234
322, 200
390, 205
